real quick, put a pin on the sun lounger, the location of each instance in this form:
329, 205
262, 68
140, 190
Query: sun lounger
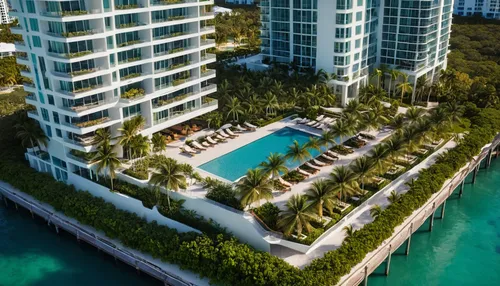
197, 145
333, 154
312, 166
251, 126
223, 134
189, 149
211, 141
230, 133
304, 173
304, 121
317, 124
241, 129
319, 163
206, 144
297, 119
319, 118
328, 157
311, 123
284, 183
321, 126
221, 138
186, 151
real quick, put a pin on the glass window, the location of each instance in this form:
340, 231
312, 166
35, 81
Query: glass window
359, 16
45, 114
58, 133
55, 115
360, 3
49, 130
42, 99
34, 25
357, 43
31, 6
344, 4
358, 30
51, 99
37, 42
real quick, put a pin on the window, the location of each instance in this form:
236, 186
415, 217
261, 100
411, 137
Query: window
31, 6
131, 111
360, 3
340, 47
358, 30
42, 99
357, 43
34, 25
49, 130
342, 33
45, 114
58, 133
343, 18
359, 16
37, 42
55, 115
356, 56
344, 4
51, 99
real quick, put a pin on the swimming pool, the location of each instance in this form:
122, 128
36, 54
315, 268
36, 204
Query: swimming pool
235, 164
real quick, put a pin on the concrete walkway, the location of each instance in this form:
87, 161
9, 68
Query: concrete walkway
360, 216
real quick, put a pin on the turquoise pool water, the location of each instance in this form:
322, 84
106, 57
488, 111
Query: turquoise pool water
235, 164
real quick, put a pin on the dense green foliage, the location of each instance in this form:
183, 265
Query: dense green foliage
6, 35
224, 194
242, 26
11, 102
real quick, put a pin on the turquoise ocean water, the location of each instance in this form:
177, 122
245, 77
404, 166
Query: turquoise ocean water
235, 164
463, 249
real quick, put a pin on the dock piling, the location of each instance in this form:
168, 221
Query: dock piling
443, 206
388, 265
488, 160
474, 174
365, 281
408, 242
461, 192
431, 222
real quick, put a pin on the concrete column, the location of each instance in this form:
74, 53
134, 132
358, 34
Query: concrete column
431, 222
488, 160
388, 264
461, 192
496, 153
443, 206
474, 174
5, 201
408, 242
365, 281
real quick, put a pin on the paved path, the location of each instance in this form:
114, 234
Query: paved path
360, 216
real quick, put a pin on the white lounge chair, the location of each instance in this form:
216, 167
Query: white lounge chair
312, 166
321, 126
319, 118
251, 126
198, 145
297, 119
241, 129
317, 124
284, 183
328, 157
304, 121
333, 154
206, 144
230, 133
188, 150
319, 163
304, 173
311, 123
221, 133
211, 141
220, 137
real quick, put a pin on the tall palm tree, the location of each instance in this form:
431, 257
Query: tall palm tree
101, 136
413, 138
454, 111
343, 181
140, 146
298, 153
30, 131
375, 211
321, 194
170, 176
159, 142
398, 122
253, 104
378, 74
128, 130
405, 86
348, 230
362, 167
314, 143
107, 161
297, 216
270, 102
393, 197
254, 187
342, 129
327, 139
274, 166
378, 156
234, 108
395, 146
354, 107
414, 113
394, 75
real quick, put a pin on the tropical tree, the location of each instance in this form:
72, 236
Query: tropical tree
128, 130
140, 146
342, 129
274, 166
30, 131
297, 216
298, 153
413, 138
214, 119
414, 113
393, 197
378, 156
159, 142
101, 136
362, 167
254, 187
354, 107
398, 122
375, 211
234, 108
395, 146
327, 139
314, 143
378, 74
107, 161
170, 176
270, 102
348, 230
343, 181
321, 194
394, 75
404, 86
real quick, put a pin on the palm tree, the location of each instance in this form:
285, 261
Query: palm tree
413, 138
349, 230
128, 130
170, 176
375, 211
298, 216
314, 143
454, 111
393, 197
327, 139
159, 142
254, 187
140, 146
395, 146
394, 75
253, 104
405, 86
101, 136
343, 180
270, 102
378, 74
107, 161
413, 113
297, 152
342, 129
354, 107
29, 131
274, 166
398, 122
321, 194
378, 155
234, 108
362, 167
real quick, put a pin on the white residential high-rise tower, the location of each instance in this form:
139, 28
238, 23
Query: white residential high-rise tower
350, 38
97, 63
487, 8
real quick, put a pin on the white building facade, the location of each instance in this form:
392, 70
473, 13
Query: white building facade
487, 8
240, 2
97, 63
4, 12
350, 38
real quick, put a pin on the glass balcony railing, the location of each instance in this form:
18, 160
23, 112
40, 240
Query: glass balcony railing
72, 13
207, 42
74, 33
208, 56
89, 123
174, 51
170, 2
71, 55
72, 74
174, 114
207, 73
87, 106
129, 25
31, 97
128, 6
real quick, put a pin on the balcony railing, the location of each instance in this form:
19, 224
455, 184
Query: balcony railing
33, 113
89, 123
173, 51
75, 33
207, 28
172, 18
22, 57
19, 43
29, 85
130, 25
128, 7
172, 67
180, 97
130, 60
74, 55
60, 14
173, 115
207, 73
174, 83
207, 42
206, 14
171, 35
75, 73
208, 87
80, 90
170, 2
208, 56
129, 43
88, 106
